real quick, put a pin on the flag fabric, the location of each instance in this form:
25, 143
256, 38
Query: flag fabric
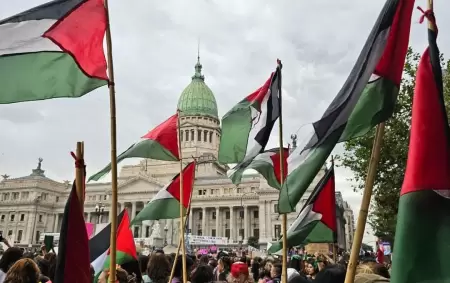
424, 206
268, 164
53, 50
125, 247
316, 222
247, 126
73, 250
161, 143
366, 99
166, 203
48, 242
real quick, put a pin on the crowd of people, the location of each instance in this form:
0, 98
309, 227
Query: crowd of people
17, 266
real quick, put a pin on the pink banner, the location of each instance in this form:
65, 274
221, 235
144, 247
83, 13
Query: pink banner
90, 229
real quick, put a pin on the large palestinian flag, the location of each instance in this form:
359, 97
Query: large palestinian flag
268, 164
423, 223
247, 126
161, 143
166, 203
73, 254
99, 246
53, 50
367, 98
316, 222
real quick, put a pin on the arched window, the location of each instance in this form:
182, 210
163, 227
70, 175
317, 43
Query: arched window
187, 135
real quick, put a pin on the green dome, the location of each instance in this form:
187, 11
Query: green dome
197, 98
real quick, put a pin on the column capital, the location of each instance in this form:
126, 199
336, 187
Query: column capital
217, 208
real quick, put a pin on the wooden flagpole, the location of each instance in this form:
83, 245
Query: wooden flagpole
365, 203
283, 216
112, 102
79, 174
183, 246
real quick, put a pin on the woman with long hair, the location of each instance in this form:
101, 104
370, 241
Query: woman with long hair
10, 257
23, 271
158, 269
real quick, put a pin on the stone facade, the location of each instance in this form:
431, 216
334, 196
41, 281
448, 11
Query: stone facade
349, 225
34, 204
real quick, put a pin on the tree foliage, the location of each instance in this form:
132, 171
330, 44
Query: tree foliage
385, 198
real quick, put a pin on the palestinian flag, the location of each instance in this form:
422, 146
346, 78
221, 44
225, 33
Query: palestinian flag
424, 207
99, 245
247, 126
161, 143
316, 222
166, 203
53, 50
367, 98
268, 164
73, 253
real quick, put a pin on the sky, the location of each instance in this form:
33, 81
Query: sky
155, 49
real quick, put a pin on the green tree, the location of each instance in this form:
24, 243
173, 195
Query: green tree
384, 205
253, 241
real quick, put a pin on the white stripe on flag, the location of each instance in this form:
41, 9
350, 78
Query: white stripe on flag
99, 263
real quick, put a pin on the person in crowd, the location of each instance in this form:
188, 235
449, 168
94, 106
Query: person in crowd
239, 273
202, 274
296, 263
213, 263
10, 256
143, 264
51, 258
158, 268
322, 262
275, 272
43, 265
331, 274
204, 259
254, 269
373, 268
223, 268
311, 269
178, 272
121, 276
23, 271
295, 277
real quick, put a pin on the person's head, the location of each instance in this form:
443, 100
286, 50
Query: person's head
43, 265
143, 263
311, 268
212, 262
178, 272
239, 273
203, 260
23, 271
322, 261
159, 251
275, 271
158, 268
296, 263
224, 264
10, 256
202, 274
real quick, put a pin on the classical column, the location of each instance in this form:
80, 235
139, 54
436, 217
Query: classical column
262, 221
246, 221
231, 224
204, 221
190, 221
217, 221
55, 227
133, 210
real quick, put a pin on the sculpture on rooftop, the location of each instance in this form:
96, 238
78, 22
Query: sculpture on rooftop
40, 159
294, 141
5, 176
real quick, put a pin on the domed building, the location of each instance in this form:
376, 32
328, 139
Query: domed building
218, 209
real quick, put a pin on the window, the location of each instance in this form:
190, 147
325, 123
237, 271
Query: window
239, 190
187, 135
202, 192
25, 195
241, 214
192, 135
227, 233
38, 235
105, 197
19, 235
256, 233
210, 137
57, 199
199, 135
147, 231
9, 233
255, 214
200, 215
205, 136
214, 215
22, 217
15, 196
277, 230
227, 215
226, 190
275, 208
136, 232
2, 219
213, 232
11, 218
181, 135
241, 233
40, 217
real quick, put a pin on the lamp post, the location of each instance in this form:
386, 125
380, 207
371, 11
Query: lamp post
99, 209
166, 228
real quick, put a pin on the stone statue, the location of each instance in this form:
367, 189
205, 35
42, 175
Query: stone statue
40, 163
156, 230
5, 176
294, 141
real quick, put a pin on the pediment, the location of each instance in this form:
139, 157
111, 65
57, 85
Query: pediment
139, 184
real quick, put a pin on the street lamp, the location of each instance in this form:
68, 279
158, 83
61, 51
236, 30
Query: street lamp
166, 228
99, 209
